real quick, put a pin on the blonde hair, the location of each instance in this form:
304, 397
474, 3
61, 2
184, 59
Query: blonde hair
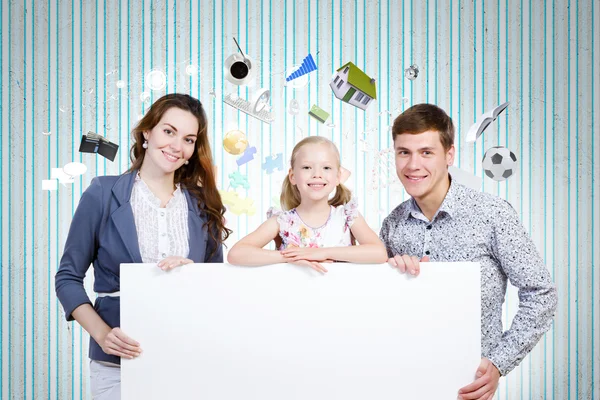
290, 196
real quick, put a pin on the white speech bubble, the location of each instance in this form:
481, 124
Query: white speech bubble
74, 169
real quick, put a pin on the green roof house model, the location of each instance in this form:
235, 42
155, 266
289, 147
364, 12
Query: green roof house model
351, 85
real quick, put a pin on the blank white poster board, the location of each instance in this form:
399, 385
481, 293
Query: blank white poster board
283, 332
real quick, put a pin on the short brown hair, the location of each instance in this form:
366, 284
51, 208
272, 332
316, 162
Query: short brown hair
425, 117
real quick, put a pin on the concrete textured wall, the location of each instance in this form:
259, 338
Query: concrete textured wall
60, 63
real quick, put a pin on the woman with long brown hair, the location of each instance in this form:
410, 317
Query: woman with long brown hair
165, 209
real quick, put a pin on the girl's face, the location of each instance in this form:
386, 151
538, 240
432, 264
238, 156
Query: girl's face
315, 171
171, 142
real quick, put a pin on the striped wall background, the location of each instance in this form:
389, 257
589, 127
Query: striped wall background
60, 62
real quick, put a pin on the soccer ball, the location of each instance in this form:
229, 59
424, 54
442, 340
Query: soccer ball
499, 163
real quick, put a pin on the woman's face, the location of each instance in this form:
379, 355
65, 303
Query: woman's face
171, 142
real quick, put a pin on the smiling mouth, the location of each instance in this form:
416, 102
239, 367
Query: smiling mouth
170, 157
317, 185
415, 178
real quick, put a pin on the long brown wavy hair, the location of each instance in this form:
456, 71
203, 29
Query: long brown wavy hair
198, 175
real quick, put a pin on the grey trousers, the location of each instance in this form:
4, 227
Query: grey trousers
105, 381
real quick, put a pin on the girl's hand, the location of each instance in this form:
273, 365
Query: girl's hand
172, 262
293, 254
119, 344
311, 264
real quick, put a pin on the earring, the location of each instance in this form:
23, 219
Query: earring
186, 162
145, 144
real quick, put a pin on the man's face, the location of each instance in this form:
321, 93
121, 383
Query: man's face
422, 163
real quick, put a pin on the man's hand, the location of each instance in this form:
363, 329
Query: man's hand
485, 384
406, 263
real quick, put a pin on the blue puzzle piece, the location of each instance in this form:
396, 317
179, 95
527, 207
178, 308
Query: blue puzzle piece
272, 163
237, 179
247, 156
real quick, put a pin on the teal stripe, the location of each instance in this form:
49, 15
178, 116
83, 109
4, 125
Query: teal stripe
2, 194
57, 209
593, 204
506, 126
427, 49
482, 90
120, 77
10, 158
355, 109
576, 200
24, 207
33, 195
387, 116
475, 87
435, 50
128, 80
569, 199
412, 60
49, 275
544, 180
459, 78
198, 58
103, 81
174, 45
308, 42
167, 45
80, 160
530, 181
553, 184
73, 197
450, 60
379, 119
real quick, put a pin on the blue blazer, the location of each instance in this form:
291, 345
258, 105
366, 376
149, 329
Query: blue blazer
103, 232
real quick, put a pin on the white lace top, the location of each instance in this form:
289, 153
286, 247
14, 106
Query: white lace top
162, 232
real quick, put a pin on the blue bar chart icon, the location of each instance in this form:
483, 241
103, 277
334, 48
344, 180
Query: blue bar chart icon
308, 65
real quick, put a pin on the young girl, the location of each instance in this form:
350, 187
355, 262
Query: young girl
166, 210
313, 229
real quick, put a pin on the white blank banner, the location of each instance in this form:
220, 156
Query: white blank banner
282, 332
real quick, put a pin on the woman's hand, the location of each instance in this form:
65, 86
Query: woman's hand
293, 254
172, 262
119, 344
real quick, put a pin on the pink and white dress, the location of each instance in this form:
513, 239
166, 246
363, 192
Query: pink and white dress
335, 232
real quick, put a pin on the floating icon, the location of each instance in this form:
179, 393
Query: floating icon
191, 69
94, 143
411, 73
250, 108
308, 65
235, 142
238, 68
156, 80
121, 84
351, 85
484, 121
294, 107
318, 113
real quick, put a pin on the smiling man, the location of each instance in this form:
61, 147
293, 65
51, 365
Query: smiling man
447, 222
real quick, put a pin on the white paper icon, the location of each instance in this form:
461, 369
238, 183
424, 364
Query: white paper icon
63, 178
49, 184
465, 178
484, 121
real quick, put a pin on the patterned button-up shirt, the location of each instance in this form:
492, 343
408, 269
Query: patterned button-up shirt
480, 227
